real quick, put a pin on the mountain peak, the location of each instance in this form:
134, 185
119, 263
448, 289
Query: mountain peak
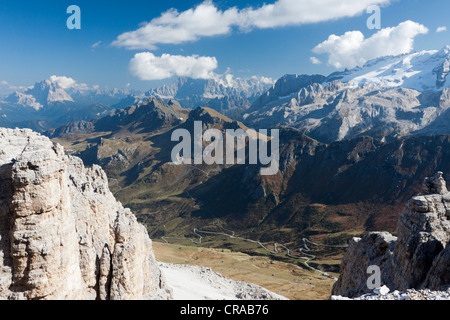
286, 86
151, 115
210, 118
42, 94
200, 112
445, 50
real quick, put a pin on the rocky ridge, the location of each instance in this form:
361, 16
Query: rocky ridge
337, 111
389, 97
417, 258
62, 233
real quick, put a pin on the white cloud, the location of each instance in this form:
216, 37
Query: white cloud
315, 60
206, 20
265, 80
174, 27
69, 83
4, 88
95, 45
441, 29
7, 88
353, 49
63, 82
147, 66
297, 12
81, 87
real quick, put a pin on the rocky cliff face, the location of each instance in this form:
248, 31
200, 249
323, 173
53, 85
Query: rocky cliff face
418, 258
62, 233
336, 111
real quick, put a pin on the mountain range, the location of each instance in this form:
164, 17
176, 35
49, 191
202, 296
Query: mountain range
387, 98
421, 71
47, 105
354, 147
320, 190
228, 95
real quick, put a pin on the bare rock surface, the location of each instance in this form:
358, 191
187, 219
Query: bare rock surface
410, 294
418, 258
63, 235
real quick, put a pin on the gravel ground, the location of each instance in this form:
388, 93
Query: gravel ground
200, 283
410, 294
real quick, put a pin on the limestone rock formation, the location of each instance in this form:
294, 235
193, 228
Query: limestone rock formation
374, 249
62, 233
435, 185
418, 258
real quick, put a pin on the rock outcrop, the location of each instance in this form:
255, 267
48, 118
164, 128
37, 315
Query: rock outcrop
418, 258
410, 294
63, 235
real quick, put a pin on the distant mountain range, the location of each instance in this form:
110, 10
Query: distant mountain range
230, 96
46, 93
46, 105
387, 98
320, 189
354, 147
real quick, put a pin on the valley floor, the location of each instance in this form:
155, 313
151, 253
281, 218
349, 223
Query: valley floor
286, 279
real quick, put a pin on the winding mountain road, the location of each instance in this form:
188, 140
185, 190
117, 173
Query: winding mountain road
304, 250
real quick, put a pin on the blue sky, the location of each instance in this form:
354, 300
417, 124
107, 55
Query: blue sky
36, 43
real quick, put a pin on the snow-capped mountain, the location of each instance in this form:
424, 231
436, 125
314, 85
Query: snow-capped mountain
47, 104
42, 94
228, 95
389, 97
24, 100
53, 102
46, 93
183, 88
422, 71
